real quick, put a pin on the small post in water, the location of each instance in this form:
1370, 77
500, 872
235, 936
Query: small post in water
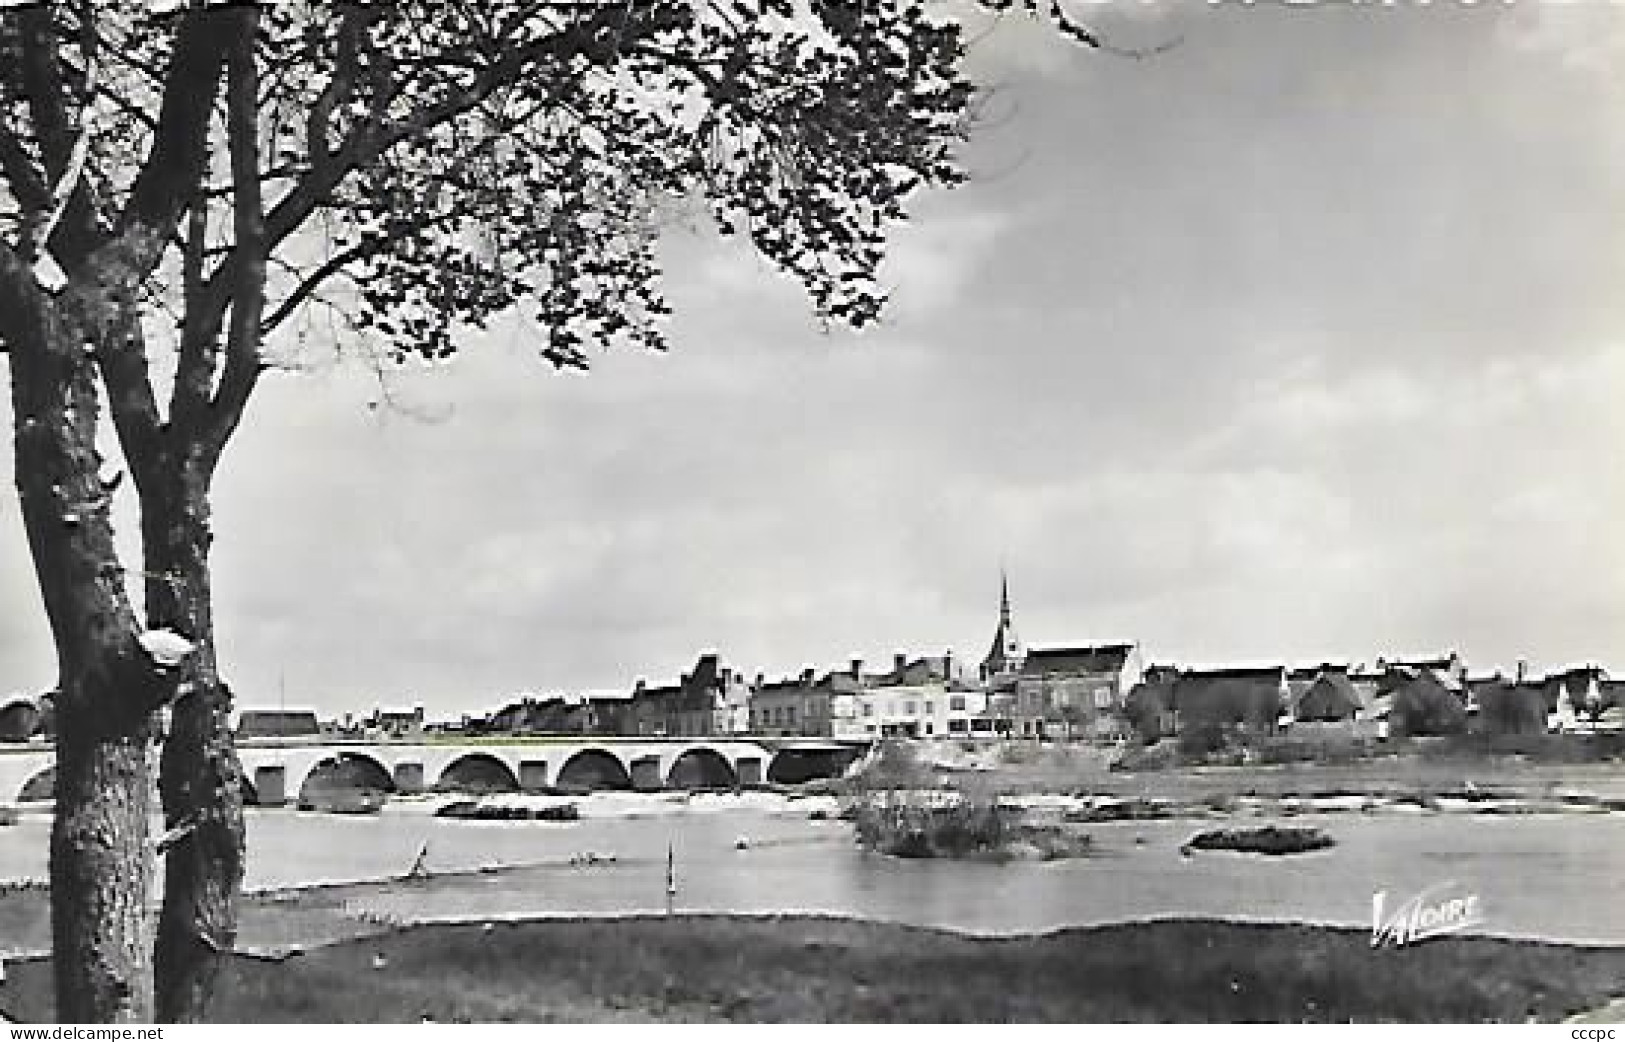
671, 877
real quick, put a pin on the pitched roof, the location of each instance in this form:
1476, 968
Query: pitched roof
1237, 692
1083, 658
1332, 696
1274, 673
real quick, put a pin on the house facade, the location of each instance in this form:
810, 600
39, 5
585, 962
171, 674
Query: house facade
934, 709
1249, 698
801, 706
917, 698
707, 701
405, 724
1499, 706
1076, 691
561, 713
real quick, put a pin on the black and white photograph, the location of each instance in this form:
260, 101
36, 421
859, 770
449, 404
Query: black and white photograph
804, 511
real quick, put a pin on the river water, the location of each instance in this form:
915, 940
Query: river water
1553, 876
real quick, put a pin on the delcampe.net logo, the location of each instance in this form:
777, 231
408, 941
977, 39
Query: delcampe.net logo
1443, 908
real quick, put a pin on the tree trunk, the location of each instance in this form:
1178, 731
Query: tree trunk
201, 778
101, 872
108, 690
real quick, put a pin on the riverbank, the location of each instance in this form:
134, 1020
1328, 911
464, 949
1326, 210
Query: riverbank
1414, 771
799, 969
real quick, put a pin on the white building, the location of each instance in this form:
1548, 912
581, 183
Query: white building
931, 710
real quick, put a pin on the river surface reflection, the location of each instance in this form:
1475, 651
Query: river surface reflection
1551, 876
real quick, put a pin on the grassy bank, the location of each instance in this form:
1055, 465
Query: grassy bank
811, 969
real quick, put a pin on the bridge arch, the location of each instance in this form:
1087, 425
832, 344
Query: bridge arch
478, 772
593, 768
19, 720
701, 767
340, 781
794, 765
40, 788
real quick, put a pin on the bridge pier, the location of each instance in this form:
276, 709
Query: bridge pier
646, 774
748, 769
532, 775
271, 786
408, 777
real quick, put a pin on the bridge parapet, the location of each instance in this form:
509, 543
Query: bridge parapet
278, 770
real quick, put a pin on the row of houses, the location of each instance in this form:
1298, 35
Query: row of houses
1394, 699
1096, 691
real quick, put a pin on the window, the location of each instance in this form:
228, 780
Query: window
956, 703
929, 709
928, 727
789, 714
869, 710
957, 726
869, 728
908, 707
1103, 697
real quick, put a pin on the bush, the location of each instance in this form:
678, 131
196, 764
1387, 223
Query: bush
1269, 839
905, 829
959, 827
1201, 738
469, 810
1317, 749
1543, 748
892, 765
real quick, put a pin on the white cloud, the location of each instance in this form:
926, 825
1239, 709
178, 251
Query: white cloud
1582, 37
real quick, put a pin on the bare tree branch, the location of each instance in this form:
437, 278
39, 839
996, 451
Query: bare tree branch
242, 365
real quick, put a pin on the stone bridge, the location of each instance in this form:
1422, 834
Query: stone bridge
280, 771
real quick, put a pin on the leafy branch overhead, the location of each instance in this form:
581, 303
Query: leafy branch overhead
420, 166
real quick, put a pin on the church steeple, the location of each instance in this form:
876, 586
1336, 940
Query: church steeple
1007, 652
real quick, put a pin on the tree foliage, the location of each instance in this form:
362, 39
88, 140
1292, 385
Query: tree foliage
417, 168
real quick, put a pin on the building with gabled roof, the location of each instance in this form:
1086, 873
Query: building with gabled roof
1497, 705
1330, 697
1422, 702
1249, 697
1076, 690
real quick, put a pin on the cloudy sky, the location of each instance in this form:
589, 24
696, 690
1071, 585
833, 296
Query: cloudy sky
1303, 339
